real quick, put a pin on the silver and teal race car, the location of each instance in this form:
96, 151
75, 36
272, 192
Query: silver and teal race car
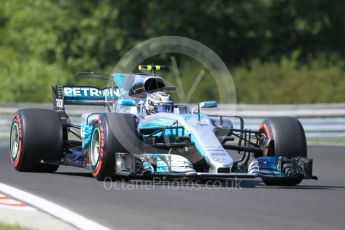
126, 141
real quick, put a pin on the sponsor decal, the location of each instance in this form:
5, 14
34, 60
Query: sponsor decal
91, 92
217, 153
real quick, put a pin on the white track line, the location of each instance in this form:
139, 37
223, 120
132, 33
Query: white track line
52, 208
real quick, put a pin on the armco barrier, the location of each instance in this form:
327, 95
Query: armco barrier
319, 120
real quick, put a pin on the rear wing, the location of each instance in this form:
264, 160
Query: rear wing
135, 85
82, 95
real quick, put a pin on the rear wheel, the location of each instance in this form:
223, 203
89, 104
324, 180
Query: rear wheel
283, 136
36, 134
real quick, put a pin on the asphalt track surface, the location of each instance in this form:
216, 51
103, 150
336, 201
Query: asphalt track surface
134, 205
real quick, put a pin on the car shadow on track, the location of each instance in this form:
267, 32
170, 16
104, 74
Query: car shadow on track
77, 174
304, 187
194, 184
225, 184
317, 187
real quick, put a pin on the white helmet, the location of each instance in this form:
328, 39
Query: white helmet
159, 102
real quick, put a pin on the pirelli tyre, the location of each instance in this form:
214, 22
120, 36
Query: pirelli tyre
112, 133
283, 136
36, 134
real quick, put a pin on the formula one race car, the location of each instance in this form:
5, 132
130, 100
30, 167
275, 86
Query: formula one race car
143, 134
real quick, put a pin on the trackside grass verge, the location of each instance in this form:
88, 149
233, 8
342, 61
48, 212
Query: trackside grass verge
12, 227
340, 141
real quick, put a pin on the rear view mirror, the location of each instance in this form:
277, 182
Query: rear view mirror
208, 104
126, 102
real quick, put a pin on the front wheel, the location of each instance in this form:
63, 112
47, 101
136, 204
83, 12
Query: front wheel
112, 133
285, 137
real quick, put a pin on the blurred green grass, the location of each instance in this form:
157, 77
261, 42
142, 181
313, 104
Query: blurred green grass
12, 227
283, 82
277, 51
326, 141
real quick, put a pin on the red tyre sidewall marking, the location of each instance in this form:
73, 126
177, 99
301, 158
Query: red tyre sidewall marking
267, 131
16, 161
98, 168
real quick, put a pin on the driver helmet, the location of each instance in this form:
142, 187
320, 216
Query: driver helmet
159, 102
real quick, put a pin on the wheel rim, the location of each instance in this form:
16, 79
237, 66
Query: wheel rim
266, 142
95, 147
14, 141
